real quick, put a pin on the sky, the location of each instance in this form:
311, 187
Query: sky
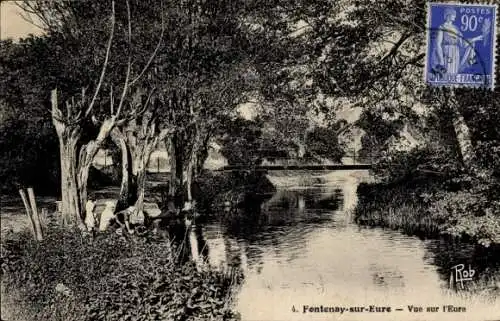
12, 25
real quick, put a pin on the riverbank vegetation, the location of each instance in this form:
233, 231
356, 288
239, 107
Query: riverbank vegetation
430, 190
109, 277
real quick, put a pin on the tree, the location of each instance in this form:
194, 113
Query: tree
319, 43
198, 75
69, 24
201, 74
26, 135
136, 138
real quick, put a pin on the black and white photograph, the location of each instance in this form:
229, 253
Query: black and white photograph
249, 160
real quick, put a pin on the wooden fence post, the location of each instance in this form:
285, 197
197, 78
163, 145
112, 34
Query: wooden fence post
32, 212
28, 212
36, 217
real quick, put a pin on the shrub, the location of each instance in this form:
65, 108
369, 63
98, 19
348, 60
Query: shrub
426, 190
470, 213
109, 277
420, 162
213, 189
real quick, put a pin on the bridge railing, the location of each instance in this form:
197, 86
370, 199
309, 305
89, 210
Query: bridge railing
352, 158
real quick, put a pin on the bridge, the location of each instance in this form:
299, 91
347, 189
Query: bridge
306, 167
159, 163
349, 162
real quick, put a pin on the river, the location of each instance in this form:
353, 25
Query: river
301, 248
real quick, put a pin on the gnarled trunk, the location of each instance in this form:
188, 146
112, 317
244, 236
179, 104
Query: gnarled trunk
75, 162
124, 197
139, 147
464, 141
87, 155
202, 154
69, 136
71, 210
176, 168
83, 177
140, 160
193, 167
463, 138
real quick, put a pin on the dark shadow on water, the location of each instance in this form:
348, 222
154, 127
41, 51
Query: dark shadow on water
202, 243
484, 261
284, 208
177, 233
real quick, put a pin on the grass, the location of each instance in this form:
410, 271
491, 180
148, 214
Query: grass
398, 208
412, 219
485, 288
108, 277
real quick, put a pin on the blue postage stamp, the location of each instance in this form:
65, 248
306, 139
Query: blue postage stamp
461, 43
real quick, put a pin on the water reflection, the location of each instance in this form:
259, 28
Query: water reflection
300, 247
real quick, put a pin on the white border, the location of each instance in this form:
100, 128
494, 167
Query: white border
496, 25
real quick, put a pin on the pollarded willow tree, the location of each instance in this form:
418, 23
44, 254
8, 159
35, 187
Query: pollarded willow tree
91, 38
201, 74
198, 75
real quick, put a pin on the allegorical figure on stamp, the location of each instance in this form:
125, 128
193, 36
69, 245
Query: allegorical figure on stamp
448, 44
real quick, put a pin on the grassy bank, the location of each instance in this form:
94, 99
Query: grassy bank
109, 277
399, 207
431, 207
428, 191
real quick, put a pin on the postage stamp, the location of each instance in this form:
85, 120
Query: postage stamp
461, 43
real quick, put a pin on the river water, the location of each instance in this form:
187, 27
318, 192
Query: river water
301, 248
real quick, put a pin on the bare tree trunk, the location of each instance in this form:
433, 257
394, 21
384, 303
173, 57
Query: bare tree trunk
87, 155
202, 154
192, 168
173, 166
119, 139
68, 140
464, 141
176, 167
83, 176
189, 178
141, 153
463, 138
140, 161
75, 171
140, 188
69, 188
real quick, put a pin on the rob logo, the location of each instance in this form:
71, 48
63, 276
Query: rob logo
459, 274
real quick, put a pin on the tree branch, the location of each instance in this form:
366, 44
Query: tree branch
155, 52
106, 60
129, 65
404, 36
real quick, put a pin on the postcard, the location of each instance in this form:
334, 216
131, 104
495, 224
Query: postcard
249, 160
